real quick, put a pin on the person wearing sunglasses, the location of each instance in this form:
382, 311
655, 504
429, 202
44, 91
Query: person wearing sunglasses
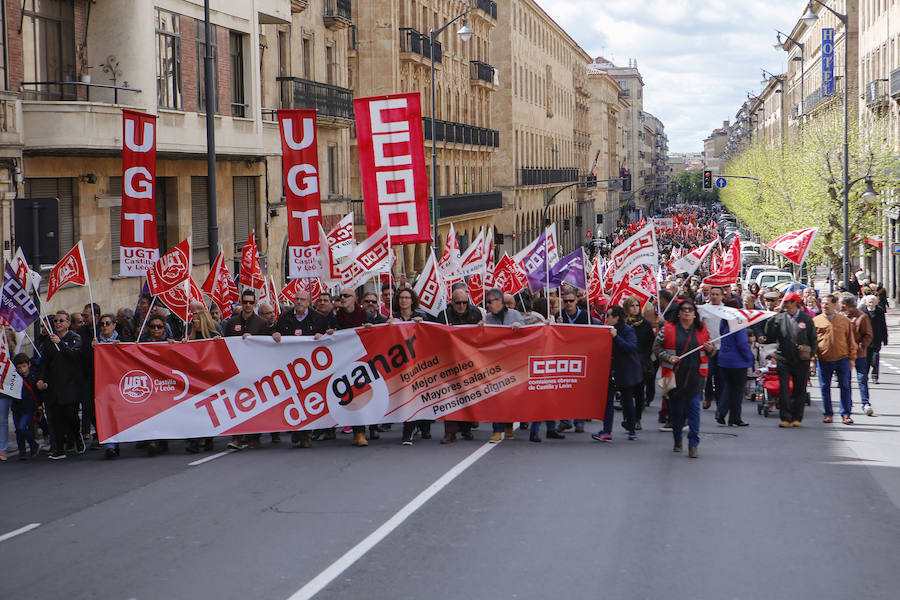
348, 315
370, 304
459, 312
625, 374
681, 333
572, 313
61, 378
108, 335
509, 317
246, 322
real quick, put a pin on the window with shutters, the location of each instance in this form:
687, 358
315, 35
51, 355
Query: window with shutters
245, 209
199, 221
334, 181
60, 188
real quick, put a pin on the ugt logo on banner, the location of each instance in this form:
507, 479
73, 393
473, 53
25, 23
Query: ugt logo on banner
392, 166
138, 245
300, 161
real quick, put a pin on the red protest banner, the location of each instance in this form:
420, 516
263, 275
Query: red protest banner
300, 163
392, 166
71, 269
138, 245
388, 373
170, 269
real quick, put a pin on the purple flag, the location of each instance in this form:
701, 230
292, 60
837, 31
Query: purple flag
569, 269
534, 262
16, 305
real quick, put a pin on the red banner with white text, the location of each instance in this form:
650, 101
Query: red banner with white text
389, 373
138, 245
392, 166
300, 162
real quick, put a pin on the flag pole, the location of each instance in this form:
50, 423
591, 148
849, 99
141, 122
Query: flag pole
547, 271
147, 316
27, 337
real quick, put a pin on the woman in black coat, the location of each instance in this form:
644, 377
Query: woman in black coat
645, 389
625, 373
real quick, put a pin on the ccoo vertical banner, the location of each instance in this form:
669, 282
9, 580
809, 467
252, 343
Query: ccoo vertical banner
300, 161
828, 61
392, 166
138, 245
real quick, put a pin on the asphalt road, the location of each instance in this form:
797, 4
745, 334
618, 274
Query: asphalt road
764, 513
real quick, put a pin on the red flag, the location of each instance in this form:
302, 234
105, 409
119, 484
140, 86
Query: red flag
372, 256
392, 166
508, 276
300, 164
794, 245
71, 269
170, 269
251, 271
595, 284
138, 245
730, 269
220, 286
178, 301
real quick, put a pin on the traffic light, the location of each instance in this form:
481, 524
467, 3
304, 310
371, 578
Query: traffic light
626, 179
599, 218
707, 180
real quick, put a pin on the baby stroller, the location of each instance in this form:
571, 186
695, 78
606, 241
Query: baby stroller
771, 388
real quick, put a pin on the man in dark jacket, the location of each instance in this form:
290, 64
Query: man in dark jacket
791, 329
879, 334
246, 322
460, 312
570, 311
625, 373
61, 379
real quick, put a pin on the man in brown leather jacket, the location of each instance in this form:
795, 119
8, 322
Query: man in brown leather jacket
836, 352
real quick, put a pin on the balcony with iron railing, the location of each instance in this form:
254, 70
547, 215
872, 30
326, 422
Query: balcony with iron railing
334, 104
464, 204
416, 46
461, 133
337, 14
481, 73
877, 93
488, 6
546, 175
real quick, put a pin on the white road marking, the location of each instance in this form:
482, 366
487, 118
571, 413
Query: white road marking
209, 458
320, 581
19, 531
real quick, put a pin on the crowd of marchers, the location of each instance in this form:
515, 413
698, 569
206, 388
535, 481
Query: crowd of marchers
663, 348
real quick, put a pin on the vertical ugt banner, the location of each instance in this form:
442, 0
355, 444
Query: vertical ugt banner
138, 245
300, 161
392, 166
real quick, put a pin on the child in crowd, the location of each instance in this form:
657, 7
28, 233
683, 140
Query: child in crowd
25, 408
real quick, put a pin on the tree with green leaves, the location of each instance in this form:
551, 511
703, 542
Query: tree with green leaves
801, 184
689, 188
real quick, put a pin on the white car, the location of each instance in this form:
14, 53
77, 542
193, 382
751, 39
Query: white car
751, 247
770, 278
754, 270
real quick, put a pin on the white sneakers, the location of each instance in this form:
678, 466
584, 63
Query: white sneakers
868, 410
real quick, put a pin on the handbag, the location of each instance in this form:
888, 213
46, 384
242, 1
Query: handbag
667, 383
804, 352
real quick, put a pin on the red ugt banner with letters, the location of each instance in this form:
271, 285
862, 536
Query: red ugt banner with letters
392, 166
389, 373
138, 245
300, 161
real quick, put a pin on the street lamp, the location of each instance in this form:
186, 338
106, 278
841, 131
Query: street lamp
780, 46
809, 19
465, 34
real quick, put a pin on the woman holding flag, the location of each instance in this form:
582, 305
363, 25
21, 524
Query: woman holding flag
682, 333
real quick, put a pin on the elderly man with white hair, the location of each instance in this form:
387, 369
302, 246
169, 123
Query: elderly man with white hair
879, 333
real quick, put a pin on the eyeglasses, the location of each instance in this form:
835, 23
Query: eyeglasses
346, 295
61, 321
370, 301
106, 323
495, 299
460, 302
569, 301
157, 326
687, 309
251, 302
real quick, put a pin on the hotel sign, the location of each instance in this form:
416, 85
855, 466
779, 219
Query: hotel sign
827, 61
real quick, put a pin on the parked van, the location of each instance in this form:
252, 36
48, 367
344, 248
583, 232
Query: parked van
754, 270
770, 278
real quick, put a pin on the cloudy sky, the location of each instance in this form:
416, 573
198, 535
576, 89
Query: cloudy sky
698, 58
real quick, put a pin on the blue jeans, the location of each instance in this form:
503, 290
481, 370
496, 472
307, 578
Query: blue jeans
536, 426
568, 422
23, 431
678, 406
827, 368
627, 395
499, 427
5, 404
862, 379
